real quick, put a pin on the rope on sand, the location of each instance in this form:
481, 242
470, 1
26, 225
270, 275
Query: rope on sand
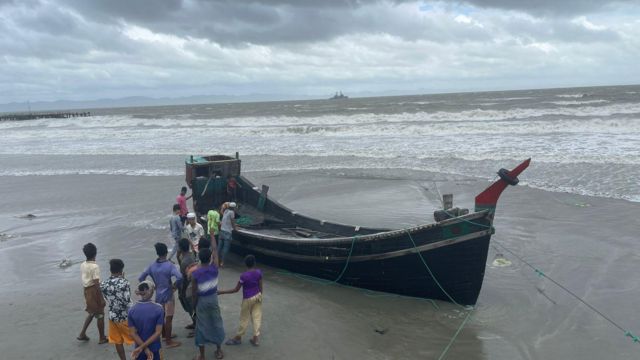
541, 274
469, 311
368, 292
446, 349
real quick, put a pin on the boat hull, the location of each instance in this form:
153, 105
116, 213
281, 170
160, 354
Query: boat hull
452, 272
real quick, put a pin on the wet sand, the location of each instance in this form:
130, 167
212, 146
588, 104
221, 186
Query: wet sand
588, 244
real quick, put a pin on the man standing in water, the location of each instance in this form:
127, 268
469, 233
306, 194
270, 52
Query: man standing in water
176, 226
182, 201
92, 295
161, 271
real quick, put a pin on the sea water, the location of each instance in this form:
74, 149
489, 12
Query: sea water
582, 140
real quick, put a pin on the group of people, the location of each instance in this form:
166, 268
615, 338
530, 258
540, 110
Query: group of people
220, 226
194, 279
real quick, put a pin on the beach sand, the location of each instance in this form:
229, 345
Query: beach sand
588, 244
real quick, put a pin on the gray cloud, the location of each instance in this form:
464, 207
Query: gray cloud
235, 23
76, 48
549, 7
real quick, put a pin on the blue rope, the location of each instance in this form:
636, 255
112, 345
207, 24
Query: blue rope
543, 275
446, 349
344, 269
430, 272
373, 294
462, 325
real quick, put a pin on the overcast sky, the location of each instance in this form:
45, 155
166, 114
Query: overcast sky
81, 49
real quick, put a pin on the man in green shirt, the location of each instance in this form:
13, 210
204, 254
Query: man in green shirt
213, 224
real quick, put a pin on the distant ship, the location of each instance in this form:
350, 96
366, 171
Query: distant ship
338, 95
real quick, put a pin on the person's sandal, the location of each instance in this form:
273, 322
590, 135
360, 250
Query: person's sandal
219, 354
233, 342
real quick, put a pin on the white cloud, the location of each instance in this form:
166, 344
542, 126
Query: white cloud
544, 47
582, 20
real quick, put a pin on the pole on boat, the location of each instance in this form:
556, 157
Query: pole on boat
447, 201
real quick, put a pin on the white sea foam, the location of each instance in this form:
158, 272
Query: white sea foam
515, 98
578, 102
173, 124
57, 172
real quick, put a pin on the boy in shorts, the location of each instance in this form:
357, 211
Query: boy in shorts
117, 292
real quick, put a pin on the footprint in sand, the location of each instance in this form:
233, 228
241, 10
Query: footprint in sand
4, 237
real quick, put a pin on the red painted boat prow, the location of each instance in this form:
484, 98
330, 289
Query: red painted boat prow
488, 199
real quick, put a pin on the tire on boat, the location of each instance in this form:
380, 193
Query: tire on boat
504, 175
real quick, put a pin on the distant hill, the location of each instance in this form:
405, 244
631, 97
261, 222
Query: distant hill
134, 101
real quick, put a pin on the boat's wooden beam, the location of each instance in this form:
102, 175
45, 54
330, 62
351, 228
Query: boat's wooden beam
370, 237
359, 258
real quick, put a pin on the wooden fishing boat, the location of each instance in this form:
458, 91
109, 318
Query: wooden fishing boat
441, 260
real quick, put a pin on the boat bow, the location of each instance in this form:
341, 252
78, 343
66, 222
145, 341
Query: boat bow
488, 199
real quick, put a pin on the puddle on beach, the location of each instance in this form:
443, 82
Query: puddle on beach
501, 261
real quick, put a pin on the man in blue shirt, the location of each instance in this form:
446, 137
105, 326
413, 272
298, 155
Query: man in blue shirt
161, 271
145, 320
176, 227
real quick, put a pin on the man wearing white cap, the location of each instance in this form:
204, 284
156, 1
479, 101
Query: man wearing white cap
193, 231
227, 226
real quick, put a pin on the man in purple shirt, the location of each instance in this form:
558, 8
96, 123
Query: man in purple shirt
161, 271
145, 320
251, 284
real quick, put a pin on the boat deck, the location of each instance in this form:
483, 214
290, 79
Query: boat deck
256, 221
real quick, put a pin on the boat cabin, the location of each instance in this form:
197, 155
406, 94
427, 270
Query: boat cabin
207, 176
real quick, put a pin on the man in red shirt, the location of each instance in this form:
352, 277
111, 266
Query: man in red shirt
182, 201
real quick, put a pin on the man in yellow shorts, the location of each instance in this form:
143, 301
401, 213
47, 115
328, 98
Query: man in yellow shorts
117, 292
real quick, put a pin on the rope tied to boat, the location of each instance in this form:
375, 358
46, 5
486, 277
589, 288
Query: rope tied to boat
455, 336
346, 264
541, 274
431, 272
435, 280
368, 292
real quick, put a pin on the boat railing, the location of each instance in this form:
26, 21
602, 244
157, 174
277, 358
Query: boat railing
379, 235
